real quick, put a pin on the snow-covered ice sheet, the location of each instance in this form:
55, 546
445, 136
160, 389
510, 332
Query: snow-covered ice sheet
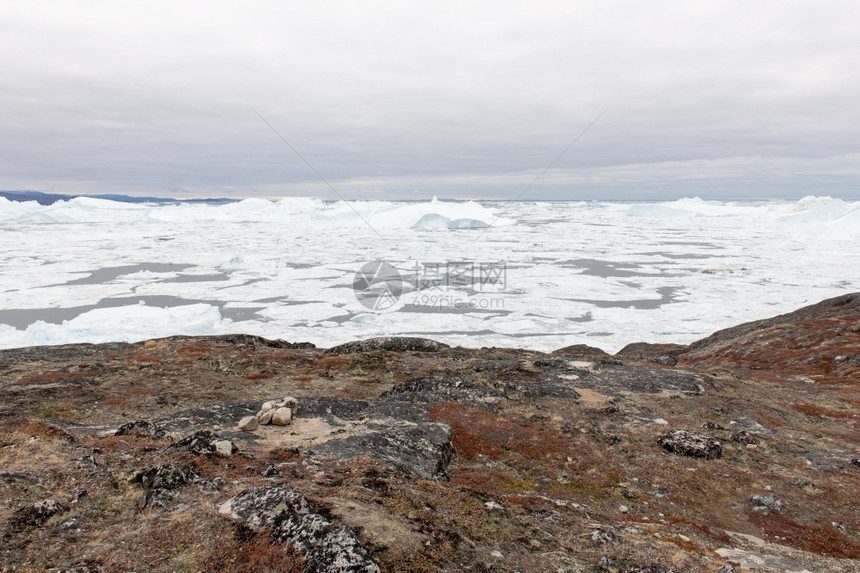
528, 274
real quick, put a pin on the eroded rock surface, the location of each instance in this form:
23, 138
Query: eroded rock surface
692, 444
390, 343
288, 517
206, 442
422, 448
37, 514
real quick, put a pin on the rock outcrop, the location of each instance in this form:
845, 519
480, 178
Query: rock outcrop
206, 442
288, 517
422, 448
36, 514
817, 342
691, 444
389, 343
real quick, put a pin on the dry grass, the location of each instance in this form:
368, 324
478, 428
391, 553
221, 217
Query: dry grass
146, 359
256, 554
194, 351
480, 433
25, 426
708, 530
335, 362
259, 376
108, 531
780, 528
850, 395
46, 377
818, 410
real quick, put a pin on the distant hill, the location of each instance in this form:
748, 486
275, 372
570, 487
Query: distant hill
51, 198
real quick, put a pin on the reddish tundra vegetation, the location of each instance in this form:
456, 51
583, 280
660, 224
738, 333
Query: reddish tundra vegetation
739, 452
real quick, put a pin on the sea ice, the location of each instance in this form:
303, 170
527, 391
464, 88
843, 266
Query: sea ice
599, 273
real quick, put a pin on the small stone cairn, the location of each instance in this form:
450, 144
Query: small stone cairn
275, 413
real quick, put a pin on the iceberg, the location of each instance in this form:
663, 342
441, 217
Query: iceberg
433, 221
126, 324
297, 210
525, 278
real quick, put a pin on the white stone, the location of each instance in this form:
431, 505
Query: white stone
265, 416
282, 417
270, 405
248, 424
224, 448
623, 508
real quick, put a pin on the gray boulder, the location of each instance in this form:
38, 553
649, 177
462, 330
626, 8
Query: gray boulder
205, 442
650, 568
412, 344
692, 444
141, 428
767, 503
36, 514
168, 476
326, 547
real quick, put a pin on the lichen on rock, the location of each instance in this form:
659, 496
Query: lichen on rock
290, 518
692, 444
205, 442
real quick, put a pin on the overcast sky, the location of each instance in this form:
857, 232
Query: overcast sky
717, 99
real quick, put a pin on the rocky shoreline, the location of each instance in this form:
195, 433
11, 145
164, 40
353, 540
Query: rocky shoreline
737, 452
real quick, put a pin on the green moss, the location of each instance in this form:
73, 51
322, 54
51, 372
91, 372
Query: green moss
593, 491
525, 484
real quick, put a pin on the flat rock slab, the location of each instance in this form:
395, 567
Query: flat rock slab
826, 460
641, 380
223, 415
420, 448
430, 390
401, 343
752, 560
389, 429
549, 385
751, 426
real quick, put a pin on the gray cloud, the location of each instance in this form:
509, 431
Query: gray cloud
721, 99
